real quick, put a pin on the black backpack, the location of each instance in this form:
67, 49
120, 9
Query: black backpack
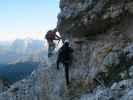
65, 54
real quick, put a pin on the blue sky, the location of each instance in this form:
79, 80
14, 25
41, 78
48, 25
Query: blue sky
27, 18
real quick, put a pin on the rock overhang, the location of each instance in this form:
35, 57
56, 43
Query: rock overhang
82, 18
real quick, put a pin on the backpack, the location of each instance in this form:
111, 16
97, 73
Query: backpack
50, 35
65, 54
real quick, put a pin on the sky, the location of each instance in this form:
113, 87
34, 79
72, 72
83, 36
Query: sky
27, 18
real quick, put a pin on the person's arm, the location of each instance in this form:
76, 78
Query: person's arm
58, 37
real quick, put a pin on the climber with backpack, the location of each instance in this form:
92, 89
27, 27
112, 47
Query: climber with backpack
50, 37
65, 57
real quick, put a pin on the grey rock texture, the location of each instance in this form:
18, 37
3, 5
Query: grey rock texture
102, 63
121, 91
90, 17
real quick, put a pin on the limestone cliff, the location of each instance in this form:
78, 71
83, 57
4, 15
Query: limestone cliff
89, 17
102, 69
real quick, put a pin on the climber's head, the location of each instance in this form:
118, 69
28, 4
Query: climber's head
66, 43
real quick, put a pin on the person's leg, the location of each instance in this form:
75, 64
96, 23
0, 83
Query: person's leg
49, 51
67, 73
57, 62
50, 48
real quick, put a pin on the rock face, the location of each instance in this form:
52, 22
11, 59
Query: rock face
102, 66
85, 17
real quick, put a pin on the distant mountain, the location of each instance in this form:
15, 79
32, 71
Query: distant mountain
27, 45
20, 57
4, 46
18, 71
21, 49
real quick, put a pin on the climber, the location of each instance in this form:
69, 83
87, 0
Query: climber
50, 36
65, 57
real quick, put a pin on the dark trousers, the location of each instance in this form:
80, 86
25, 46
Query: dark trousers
57, 62
66, 65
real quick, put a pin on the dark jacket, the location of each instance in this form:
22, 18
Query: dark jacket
65, 54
